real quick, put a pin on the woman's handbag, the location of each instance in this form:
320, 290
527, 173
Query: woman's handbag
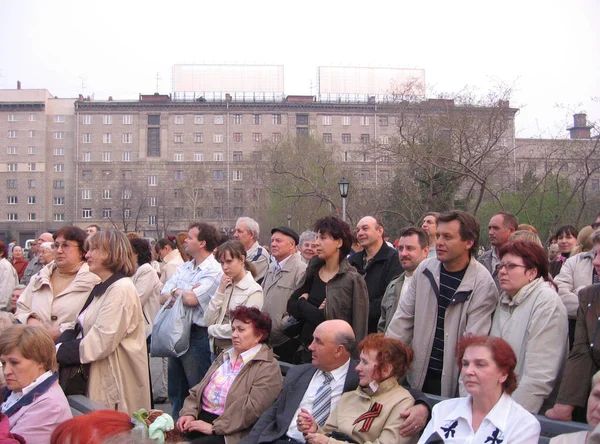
171, 330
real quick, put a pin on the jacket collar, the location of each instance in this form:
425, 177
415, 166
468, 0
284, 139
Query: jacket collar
315, 264
101, 288
383, 387
30, 397
172, 255
524, 292
498, 416
82, 281
381, 255
245, 283
264, 354
432, 267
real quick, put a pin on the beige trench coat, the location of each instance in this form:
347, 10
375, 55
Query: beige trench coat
148, 286
114, 342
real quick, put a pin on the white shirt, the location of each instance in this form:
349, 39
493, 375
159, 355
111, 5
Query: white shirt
337, 388
507, 421
14, 397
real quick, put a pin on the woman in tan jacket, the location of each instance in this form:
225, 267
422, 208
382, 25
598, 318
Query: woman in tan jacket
240, 385
114, 338
166, 248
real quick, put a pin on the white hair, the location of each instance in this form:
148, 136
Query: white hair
251, 225
47, 246
307, 235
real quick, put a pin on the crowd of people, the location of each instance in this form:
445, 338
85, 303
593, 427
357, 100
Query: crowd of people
370, 329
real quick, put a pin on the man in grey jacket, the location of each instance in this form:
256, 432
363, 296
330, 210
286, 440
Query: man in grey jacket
449, 296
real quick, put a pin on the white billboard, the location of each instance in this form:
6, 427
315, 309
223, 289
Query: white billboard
342, 80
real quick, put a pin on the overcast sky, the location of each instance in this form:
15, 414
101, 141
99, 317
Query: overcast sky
548, 49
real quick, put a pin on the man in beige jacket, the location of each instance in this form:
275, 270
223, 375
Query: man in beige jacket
449, 296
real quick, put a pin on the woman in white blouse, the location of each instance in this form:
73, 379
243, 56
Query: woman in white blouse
488, 414
237, 288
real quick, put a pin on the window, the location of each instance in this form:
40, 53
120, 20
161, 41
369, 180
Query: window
86, 175
383, 121
127, 138
127, 174
237, 211
198, 137
86, 194
364, 120
12, 200
152, 200
87, 138
238, 156
178, 138
198, 119
276, 137
256, 137
302, 119
126, 194
218, 119
301, 132
86, 156
126, 156
107, 138
59, 217
59, 167
86, 213
198, 157
59, 119
107, 119
59, 151
86, 119
12, 167
153, 119
346, 120
346, 138
178, 120
218, 138
257, 119
326, 120
178, 175
178, 157
237, 137
30, 200
152, 219
13, 118
106, 156
365, 138
237, 119
238, 193
31, 150
31, 134
12, 216
198, 212
217, 212
127, 119
31, 216
179, 212
59, 201
384, 140
219, 193
127, 213
384, 175
152, 181
276, 119
217, 174
12, 150
31, 184
237, 175
11, 184
59, 184
153, 142
106, 213
12, 134
218, 156
105, 194
327, 138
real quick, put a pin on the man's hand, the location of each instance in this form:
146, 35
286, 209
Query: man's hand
316, 438
416, 420
561, 412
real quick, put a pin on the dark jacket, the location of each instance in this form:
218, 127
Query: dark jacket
346, 299
378, 273
584, 359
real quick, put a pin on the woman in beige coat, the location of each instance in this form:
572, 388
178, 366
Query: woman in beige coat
114, 339
56, 294
237, 287
166, 248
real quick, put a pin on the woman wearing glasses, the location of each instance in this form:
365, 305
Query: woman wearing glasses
533, 320
56, 294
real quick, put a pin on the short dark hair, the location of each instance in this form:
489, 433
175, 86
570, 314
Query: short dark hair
533, 254
162, 243
346, 340
469, 226
3, 249
261, 321
508, 220
95, 226
207, 233
73, 233
435, 214
416, 231
337, 229
141, 247
235, 248
566, 229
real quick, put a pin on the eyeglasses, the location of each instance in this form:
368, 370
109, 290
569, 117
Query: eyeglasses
508, 265
64, 246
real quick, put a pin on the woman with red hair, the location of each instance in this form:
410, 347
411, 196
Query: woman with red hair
488, 414
532, 318
92, 428
372, 412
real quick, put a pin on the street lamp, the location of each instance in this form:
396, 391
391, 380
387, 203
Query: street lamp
343, 185
289, 218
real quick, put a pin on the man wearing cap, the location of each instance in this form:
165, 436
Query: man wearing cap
34, 262
284, 274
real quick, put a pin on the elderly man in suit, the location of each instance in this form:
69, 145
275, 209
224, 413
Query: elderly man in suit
332, 367
284, 274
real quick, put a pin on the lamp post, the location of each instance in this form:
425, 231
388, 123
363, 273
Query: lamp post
289, 218
343, 185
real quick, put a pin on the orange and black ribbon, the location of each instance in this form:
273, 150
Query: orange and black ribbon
369, 416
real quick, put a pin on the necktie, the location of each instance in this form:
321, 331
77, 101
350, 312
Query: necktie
277, 268
322, 402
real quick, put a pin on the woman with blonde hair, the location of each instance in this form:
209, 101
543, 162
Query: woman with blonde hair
113, 338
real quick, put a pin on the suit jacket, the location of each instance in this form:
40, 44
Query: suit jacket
274, 423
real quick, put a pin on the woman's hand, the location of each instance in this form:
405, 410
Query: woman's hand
305, 422
184, 422
200, 426
225, 280
304, 296
54, 332
322, 306
316, 438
